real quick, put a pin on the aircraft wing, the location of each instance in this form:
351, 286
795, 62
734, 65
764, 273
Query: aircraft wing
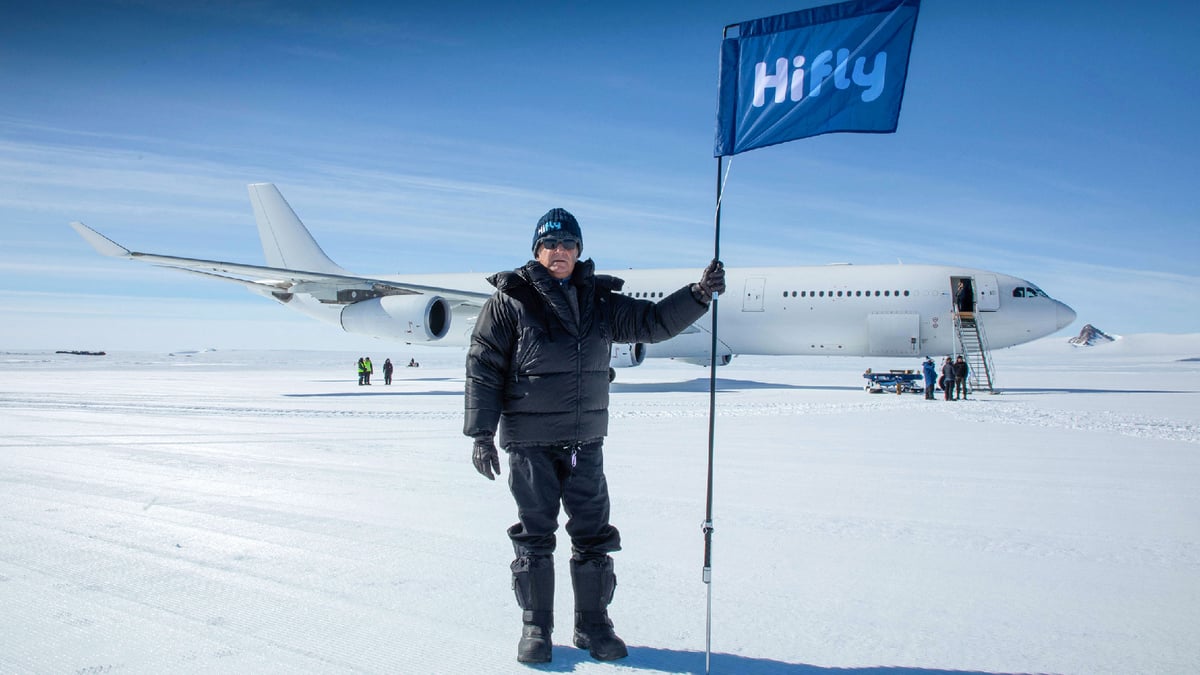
328, 288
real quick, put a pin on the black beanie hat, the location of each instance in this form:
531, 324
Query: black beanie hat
557, 223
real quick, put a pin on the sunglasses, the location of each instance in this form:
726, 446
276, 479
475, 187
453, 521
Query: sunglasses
567, 244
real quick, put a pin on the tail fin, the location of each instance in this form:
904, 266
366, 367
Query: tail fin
286, 242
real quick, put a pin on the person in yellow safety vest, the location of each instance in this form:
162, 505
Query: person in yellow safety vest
370, 368
362, 372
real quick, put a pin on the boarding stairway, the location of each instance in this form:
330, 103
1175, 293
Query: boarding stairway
972, 344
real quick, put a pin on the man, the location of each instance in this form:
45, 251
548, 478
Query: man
962, 298
960, 378
948, 379
930, 372
537, 371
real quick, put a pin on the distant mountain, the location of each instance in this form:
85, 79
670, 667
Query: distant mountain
1090, 336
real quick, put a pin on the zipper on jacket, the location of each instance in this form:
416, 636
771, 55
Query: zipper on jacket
578, 389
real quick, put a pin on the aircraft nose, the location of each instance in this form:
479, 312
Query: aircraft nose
1066, 315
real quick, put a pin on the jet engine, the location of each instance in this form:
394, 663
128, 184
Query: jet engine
627, 356
723, 359
411, 318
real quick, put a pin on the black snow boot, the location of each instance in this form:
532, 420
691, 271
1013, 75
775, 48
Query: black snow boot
594, 583
533, 583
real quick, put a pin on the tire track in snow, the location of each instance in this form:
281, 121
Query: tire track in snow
144, 407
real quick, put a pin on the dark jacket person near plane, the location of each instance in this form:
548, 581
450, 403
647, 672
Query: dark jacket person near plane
960, 377
537, 372
948, 379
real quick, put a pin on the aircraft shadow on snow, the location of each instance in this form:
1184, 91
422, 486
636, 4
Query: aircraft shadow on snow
700, 384
381, 389
566, 659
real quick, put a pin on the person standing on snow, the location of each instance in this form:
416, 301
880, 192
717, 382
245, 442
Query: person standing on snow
960, 378
948, 379
537, 372
930, 372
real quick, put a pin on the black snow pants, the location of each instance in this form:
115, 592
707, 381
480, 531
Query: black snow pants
541, 478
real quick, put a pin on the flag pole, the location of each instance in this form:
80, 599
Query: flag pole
712, 410
746, 122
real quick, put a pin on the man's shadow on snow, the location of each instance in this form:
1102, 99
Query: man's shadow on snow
567, 659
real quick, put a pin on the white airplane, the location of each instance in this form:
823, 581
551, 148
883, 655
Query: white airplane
844, 310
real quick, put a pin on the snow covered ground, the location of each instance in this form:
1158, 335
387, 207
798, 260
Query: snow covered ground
261, 512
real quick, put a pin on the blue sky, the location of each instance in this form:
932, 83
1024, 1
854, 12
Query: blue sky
1051, 141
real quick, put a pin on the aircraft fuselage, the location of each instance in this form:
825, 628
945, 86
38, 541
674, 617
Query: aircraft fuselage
843, 310
846, 310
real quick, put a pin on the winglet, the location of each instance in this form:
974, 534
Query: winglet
101, 243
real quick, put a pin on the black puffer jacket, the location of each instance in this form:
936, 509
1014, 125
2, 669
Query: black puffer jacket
960, 371
540, 375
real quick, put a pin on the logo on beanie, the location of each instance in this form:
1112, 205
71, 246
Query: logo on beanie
549, 226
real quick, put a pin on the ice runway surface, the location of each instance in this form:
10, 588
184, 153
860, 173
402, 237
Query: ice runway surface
261, 512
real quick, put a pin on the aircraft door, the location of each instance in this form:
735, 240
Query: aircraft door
893, 334
752, 299
987, 293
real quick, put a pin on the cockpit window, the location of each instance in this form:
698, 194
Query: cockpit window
1019, 292
1029, 292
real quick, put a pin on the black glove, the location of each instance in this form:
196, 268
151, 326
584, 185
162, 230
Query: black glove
712, 281
485, 457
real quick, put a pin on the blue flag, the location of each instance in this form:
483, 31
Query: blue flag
816, 71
